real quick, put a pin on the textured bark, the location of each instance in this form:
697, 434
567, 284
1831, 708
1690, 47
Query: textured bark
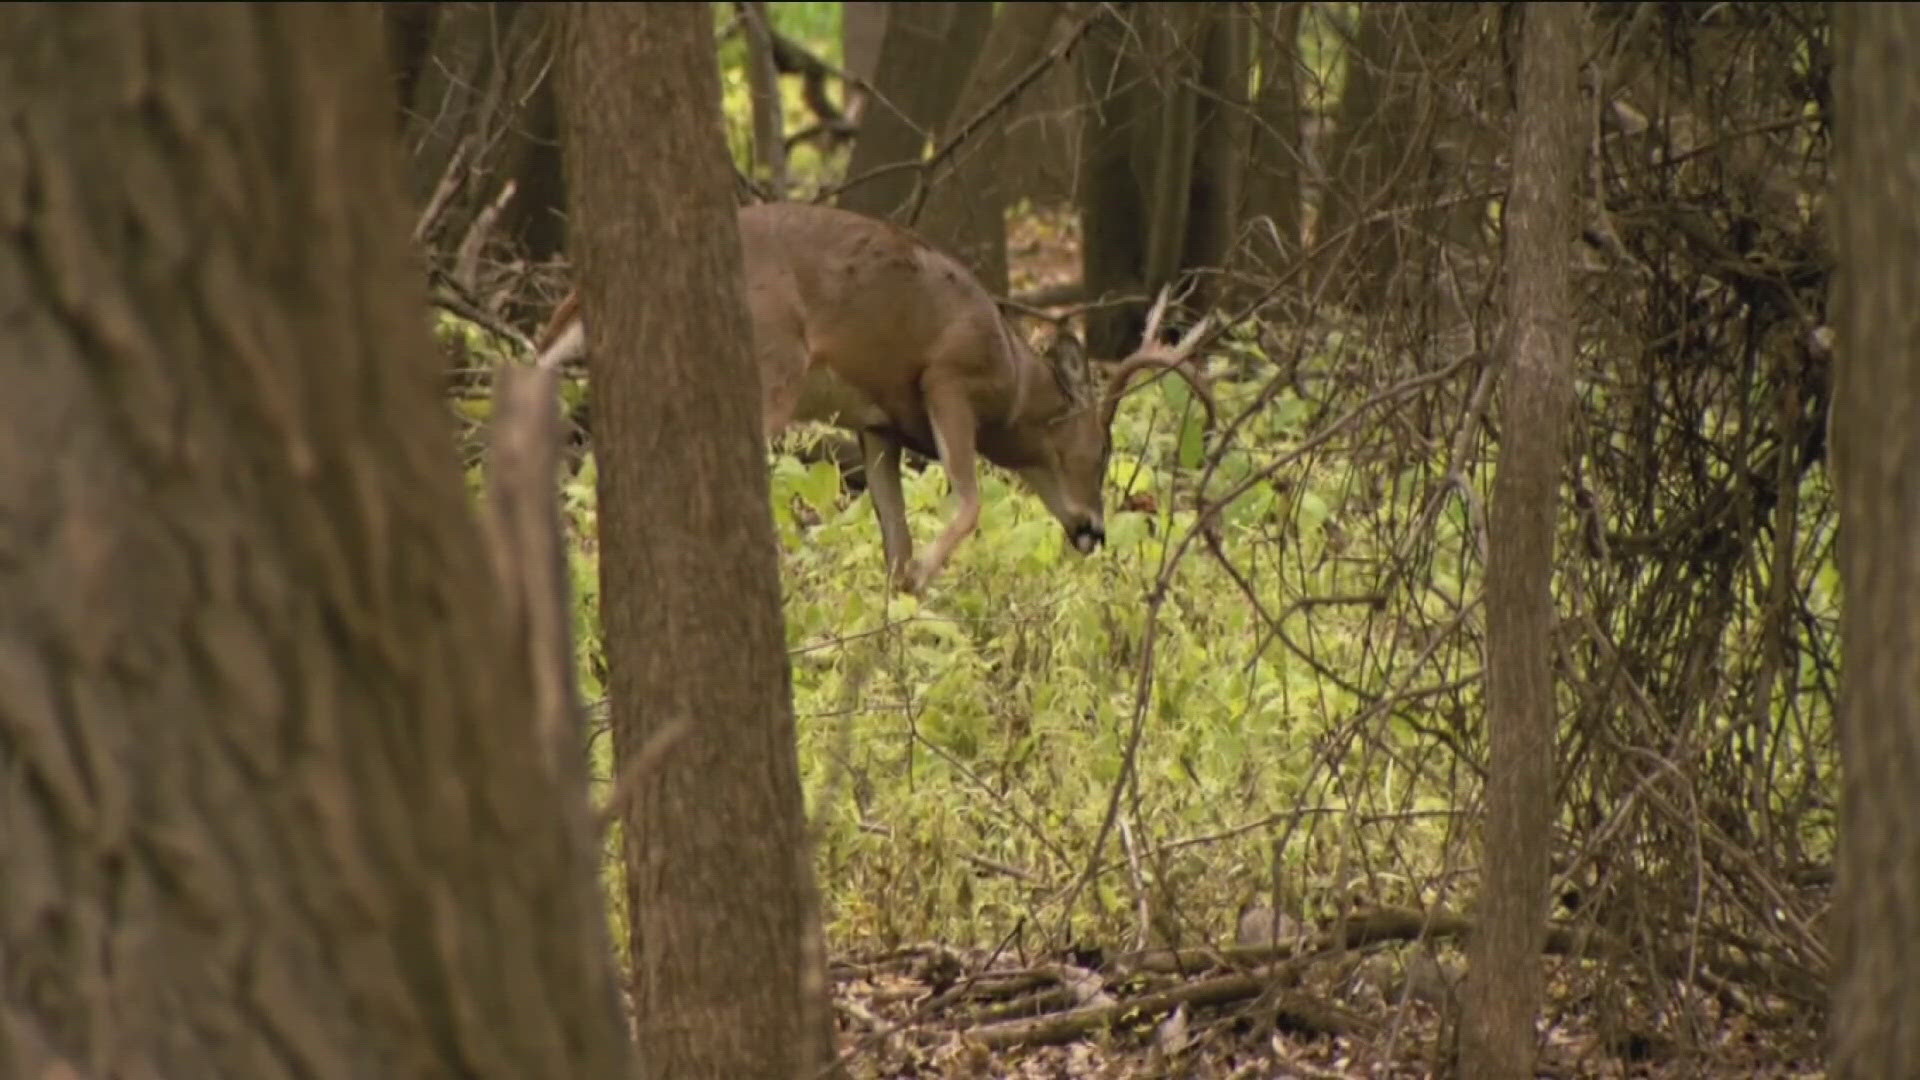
1504, 982
1113, 245
1161, 153
1876, 429
1384, 154
967, 212
769, 134
1271, 187
1171, 35
485, 86
273, 804
1220, 145
1041, 159
924, 59
863, 25
409, 37
727, 976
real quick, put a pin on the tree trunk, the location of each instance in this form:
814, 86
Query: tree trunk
482, 111
728, 980
1504, 982
1876, 430
924, 59
1113, 248
1273, 166
769, 135
409, 37
274, 803
1161, 147
1220, 146
967, 210
1172, 34
863, 26
1040, 157
1384, 172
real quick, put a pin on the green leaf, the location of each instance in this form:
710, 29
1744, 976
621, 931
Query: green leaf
1309, 510
819, 487
1254, 506
1193, 421
1126, 530
1023, 541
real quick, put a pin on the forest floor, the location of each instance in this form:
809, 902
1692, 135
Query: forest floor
938, 1012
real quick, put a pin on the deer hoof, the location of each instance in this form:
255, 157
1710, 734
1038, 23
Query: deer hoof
906, 579
916, 579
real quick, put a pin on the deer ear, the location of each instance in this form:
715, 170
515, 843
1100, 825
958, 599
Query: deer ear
1068, 358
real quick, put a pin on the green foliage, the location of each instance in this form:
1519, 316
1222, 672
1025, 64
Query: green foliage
961, 750
985, 724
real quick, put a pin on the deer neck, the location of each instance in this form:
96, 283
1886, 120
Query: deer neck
1037, 403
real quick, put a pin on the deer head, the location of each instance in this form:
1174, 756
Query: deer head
1070, 477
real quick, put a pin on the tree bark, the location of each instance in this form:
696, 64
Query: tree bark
1271, 187
274, 804
1385, 173
1504, 981
967, 210
1040, 158
769, 135
409, 37
924, 59
863, 29
1113, 206
728, 980
1172, 33
1876, 456
485, 88
1220, 146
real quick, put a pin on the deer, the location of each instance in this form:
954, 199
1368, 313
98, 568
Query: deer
863, 325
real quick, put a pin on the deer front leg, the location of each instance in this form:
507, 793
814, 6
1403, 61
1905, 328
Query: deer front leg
951, 416
881, 458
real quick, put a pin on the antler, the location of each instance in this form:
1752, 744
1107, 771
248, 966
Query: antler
1151, 354
564, 336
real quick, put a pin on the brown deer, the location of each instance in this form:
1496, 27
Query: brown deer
863, 325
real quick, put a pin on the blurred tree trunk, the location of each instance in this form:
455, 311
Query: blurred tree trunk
1171, 34
1385, 175
728, 979
1504, 982
1373, 127
1221, 129
966, 212
1273, 165
1162, 148
863, 26
1113, 248
925, 56
1041, 156
482, 117
409, 37
1876, 429
274, 802
769, 135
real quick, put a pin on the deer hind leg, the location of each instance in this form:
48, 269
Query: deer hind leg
881, 457
951, 416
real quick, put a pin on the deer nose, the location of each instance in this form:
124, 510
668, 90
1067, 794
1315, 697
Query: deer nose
1088, 535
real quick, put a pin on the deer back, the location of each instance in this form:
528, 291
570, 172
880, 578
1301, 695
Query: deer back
852, 317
